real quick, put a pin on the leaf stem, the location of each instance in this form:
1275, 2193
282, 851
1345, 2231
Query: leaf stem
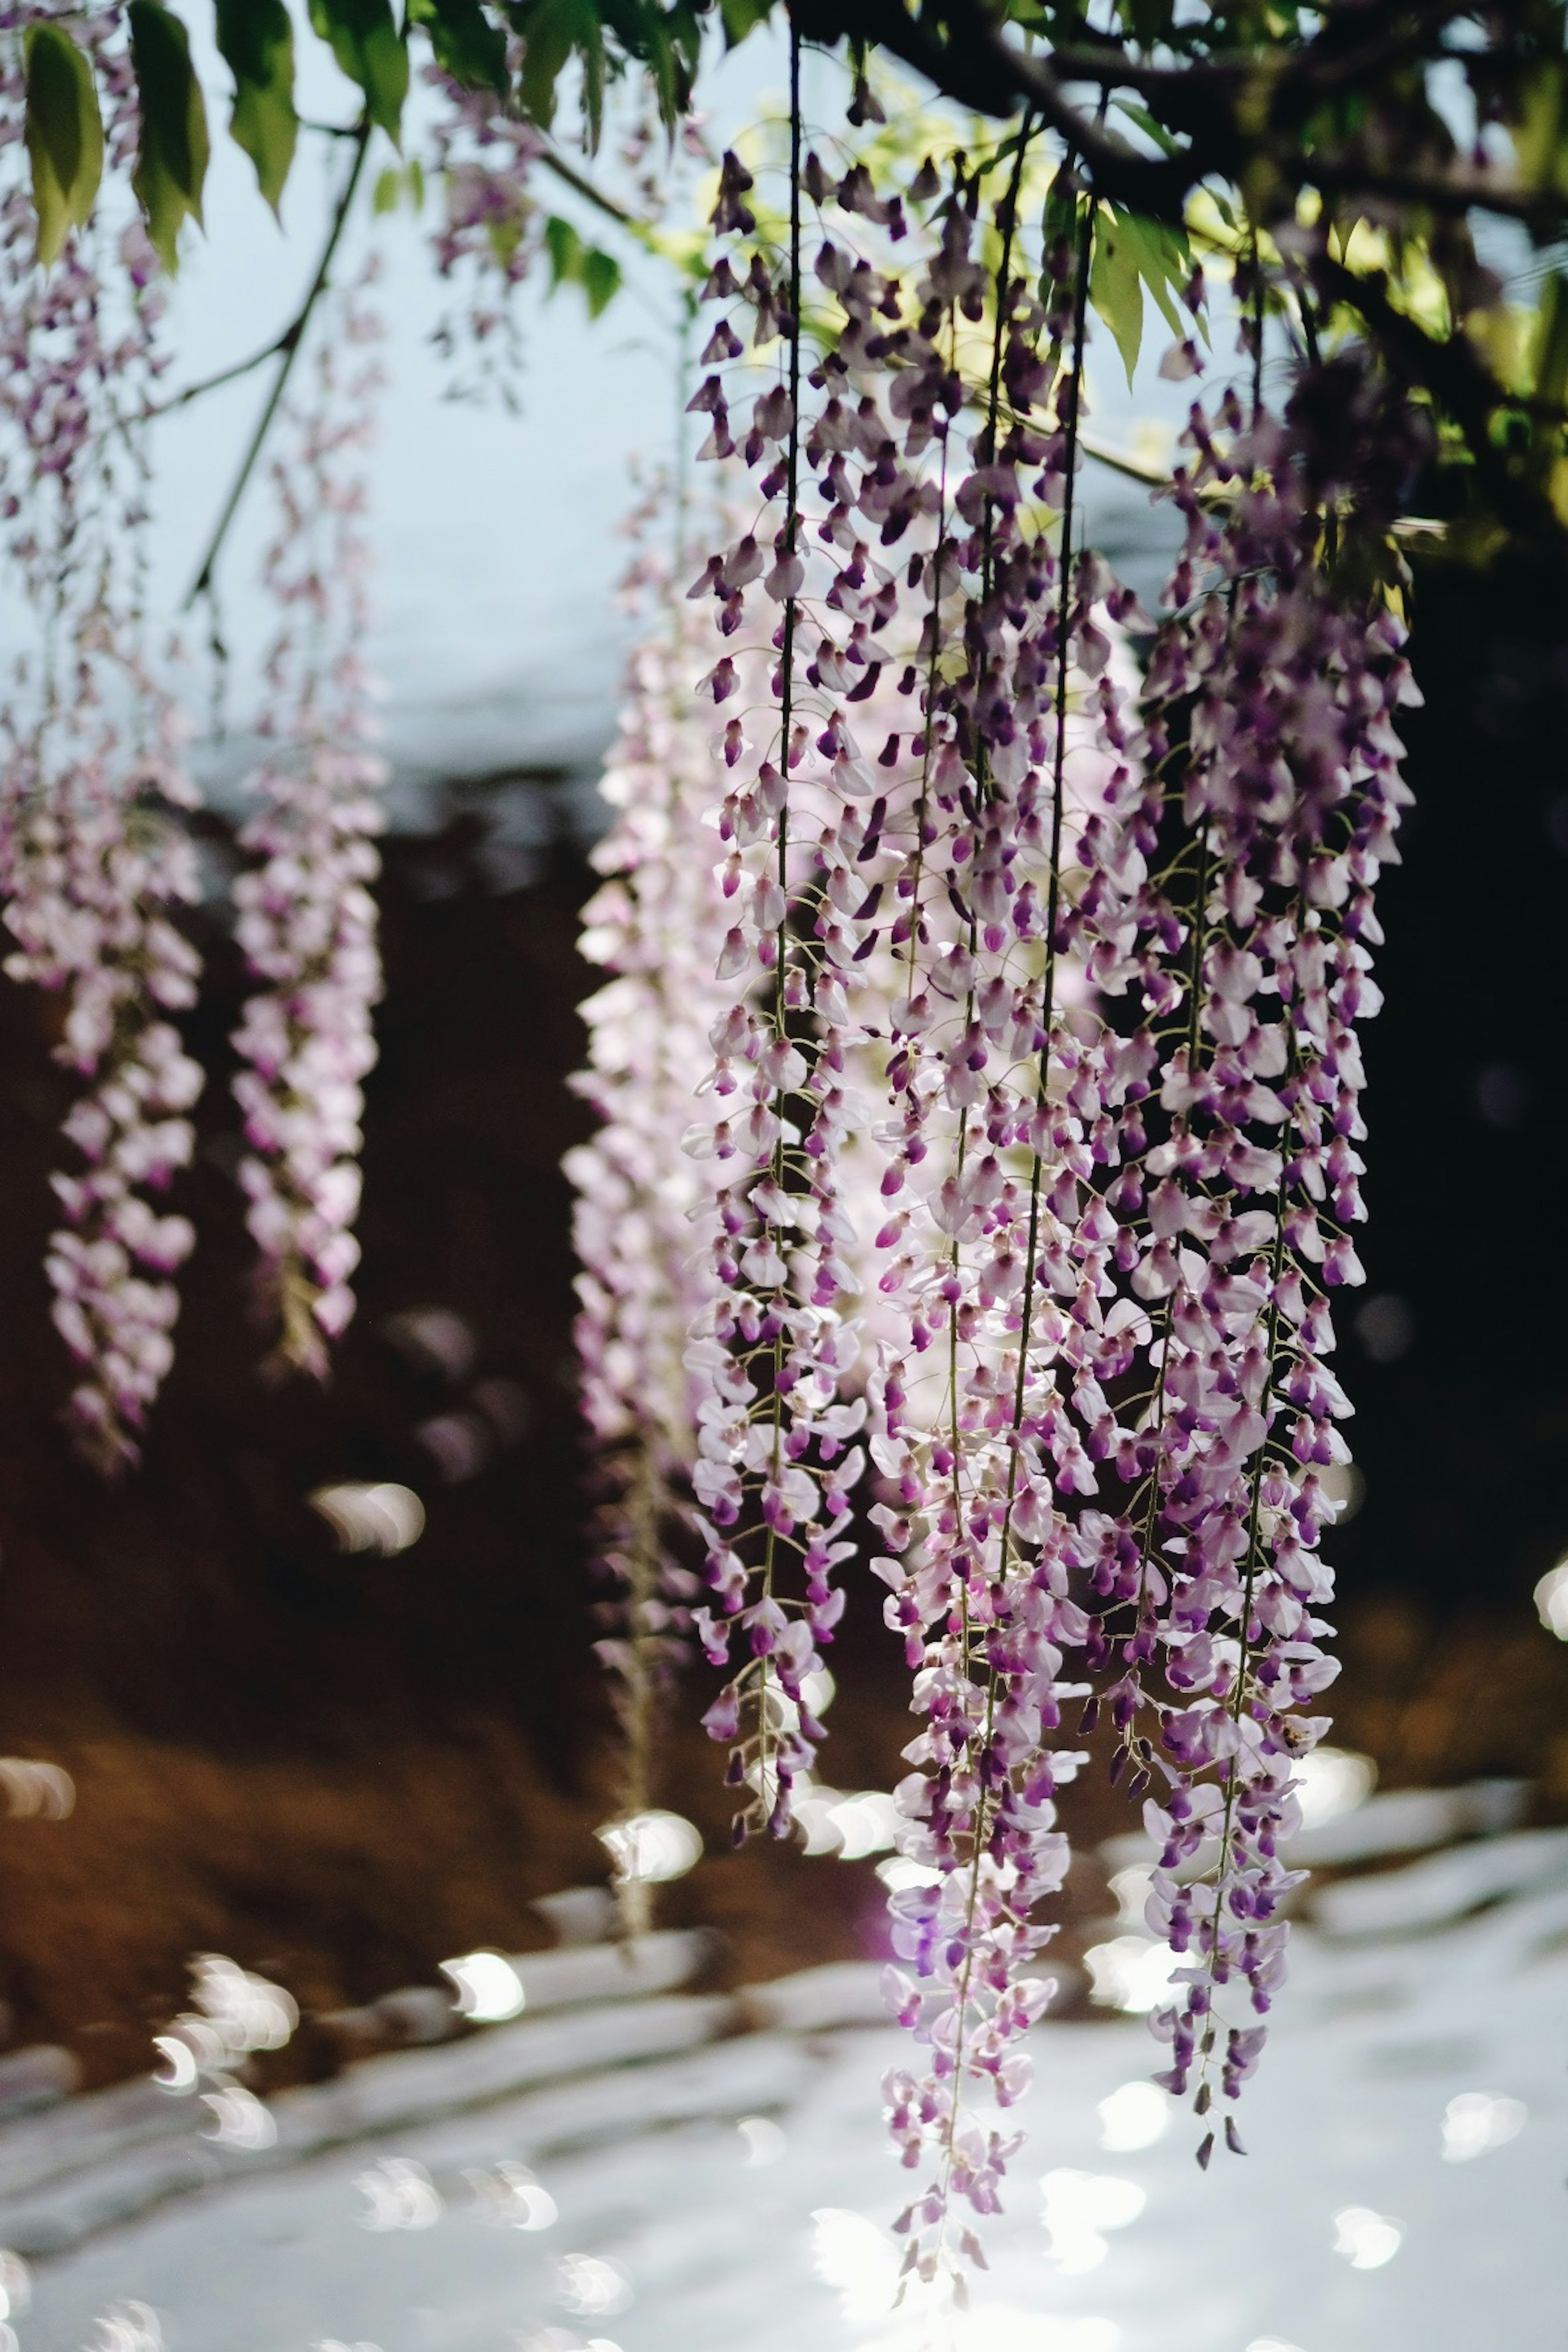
286, 349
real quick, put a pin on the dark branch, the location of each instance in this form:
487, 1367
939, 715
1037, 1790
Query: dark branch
1453, 372
1233, 110
288, 348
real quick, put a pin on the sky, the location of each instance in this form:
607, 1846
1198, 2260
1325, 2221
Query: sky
495, 634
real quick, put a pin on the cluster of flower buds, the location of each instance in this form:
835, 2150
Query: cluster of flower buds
644, 1218
490, 229
93, 852
306, 918
1289, 795
92, 862
1032, 1117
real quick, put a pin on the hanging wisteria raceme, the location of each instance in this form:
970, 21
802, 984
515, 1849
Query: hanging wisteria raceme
93, 853
1036, 1088
645, 1217
955, 824
1291, 790
490, 231
777, 1464
1006, 1082
307, 919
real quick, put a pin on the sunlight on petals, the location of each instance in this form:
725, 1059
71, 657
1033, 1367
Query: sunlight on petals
651, 1848
851, 2253
488, 1988
818, 1690
1023, 2331
399, 2195
16, 2286
764, 2142
1476, 2121
1079, 2207
1365, 2239
562, 2339
866, 1823
239, 2118
1003, 2327
1331, 1782
379, 1516
129, 2327
182, 2063
901, 1871
590, 2288
1131, 1973
1134, 2116
247, 2012
1130, 1891
1551, 1599
35, 1790
510, 2198
813, 1811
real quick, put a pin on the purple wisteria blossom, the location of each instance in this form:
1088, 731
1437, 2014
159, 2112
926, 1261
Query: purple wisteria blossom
94, 857
307, 921
645, 1217
1032, 1117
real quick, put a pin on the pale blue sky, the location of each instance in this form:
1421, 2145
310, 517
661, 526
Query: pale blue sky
496, 630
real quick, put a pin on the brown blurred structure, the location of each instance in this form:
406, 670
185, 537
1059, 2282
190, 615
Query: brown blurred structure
341, 1770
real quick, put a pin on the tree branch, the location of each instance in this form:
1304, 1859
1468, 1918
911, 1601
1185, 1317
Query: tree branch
1452, 370
287, 348
1233, 108
578, 181
229, 375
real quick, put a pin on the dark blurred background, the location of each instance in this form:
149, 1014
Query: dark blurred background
340, 1769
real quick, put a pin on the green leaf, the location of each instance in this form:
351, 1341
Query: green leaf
1145, 121
1059, 218
65, 136
740, 18
552, 32
1115, 286
565, 247
369, 50
397, 182
172, 158
572, 263
465, 43
1538, 125
1163, 262
1551, 342
663, 73
600, 279
1147, 20
256, 39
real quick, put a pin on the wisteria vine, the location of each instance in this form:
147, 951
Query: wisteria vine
307, 919
94, 860
977, 1062
1031, 1112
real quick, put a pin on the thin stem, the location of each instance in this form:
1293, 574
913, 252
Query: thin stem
786, 716
1032, 1249
1058, 765
230, 374
582, 186
287, 349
